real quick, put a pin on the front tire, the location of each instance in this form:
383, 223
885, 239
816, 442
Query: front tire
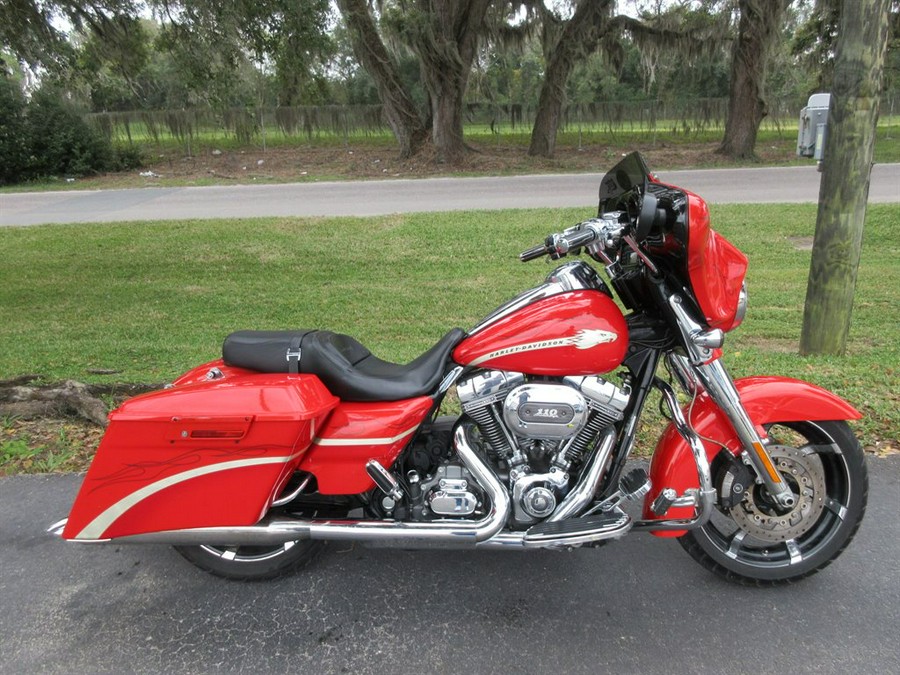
756, 543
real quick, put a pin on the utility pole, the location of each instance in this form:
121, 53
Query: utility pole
844, 190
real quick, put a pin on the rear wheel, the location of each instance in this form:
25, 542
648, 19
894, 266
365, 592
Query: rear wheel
251, 563
757, 542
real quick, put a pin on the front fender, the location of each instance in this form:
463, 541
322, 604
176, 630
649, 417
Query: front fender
766, 399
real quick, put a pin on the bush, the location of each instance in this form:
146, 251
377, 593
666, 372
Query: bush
14, 151
60, 141
126, 157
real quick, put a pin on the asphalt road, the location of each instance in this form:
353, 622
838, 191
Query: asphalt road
640, 605
367, 198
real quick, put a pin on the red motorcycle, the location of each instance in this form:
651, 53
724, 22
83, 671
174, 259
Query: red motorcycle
248, 464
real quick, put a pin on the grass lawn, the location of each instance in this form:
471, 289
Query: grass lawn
151, 299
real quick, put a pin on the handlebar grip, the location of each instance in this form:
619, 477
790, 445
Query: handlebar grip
580, 238
534, 253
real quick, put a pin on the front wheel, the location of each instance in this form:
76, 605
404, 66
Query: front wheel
757, 542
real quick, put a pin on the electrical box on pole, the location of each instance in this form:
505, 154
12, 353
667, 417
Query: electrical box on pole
813, 128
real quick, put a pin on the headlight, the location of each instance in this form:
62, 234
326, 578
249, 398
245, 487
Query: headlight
741, 307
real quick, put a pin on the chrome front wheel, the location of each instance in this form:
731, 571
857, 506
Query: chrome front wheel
758, 542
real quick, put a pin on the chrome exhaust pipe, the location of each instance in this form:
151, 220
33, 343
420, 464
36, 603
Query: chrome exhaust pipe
457, 533
583, 493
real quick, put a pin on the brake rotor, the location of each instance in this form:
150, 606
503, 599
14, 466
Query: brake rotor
761, 518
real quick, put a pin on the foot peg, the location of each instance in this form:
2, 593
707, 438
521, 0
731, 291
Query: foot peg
664, 501
634, 485
384, 479
668, 498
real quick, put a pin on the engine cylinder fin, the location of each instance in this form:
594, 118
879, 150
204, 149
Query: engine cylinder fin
596, 421
492, 431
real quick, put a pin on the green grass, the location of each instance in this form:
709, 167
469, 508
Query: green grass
152, 299
887, 145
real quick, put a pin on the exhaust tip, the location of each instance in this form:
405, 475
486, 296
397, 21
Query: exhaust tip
58, 527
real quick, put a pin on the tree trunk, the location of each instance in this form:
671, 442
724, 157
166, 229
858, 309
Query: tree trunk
447, 123
550, 103
578, 38
398, 107
445, 41
849, 146
758, 29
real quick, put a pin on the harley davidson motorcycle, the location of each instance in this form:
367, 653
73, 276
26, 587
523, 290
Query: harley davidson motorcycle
248, 464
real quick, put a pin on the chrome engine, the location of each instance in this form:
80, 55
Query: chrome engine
536, 433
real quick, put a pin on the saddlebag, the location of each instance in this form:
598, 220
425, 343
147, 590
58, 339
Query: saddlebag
207, 453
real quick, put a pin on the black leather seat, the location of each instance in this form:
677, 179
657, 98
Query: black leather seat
346, 367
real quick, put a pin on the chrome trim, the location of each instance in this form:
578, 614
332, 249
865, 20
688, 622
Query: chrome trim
720, 387
573, 276
681, 369
556, 478
487, 387
741, 311
58, 527
699, 341
281, 501
540, 410
602, 394
510, 541
384, 479
706, 496
463, 533
583, 493
710, 339
450, 379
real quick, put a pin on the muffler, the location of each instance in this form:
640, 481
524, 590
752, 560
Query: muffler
270, 531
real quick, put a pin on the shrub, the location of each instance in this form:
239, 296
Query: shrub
60, 141
127, 157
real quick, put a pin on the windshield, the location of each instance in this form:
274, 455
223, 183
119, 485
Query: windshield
623, 183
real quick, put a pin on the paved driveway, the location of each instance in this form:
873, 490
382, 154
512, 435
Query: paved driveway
769, 184
640, 605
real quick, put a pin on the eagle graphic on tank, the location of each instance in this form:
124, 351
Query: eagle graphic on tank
567, 326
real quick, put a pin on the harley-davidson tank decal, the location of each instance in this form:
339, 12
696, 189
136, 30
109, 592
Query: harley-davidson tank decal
584, 339
580, 332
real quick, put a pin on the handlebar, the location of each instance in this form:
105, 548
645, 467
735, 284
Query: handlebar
606, 231
534, 253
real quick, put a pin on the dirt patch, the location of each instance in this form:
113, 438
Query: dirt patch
379, 160
47, 445
801, 243
771, 345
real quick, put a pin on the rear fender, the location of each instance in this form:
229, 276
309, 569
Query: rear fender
766, 399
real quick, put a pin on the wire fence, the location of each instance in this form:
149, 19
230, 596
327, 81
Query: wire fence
311, 123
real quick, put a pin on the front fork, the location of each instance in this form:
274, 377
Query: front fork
703, 362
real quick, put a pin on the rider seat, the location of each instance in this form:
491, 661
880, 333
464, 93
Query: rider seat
346, 367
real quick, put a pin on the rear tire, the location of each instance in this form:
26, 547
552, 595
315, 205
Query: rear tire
755, 543
252, 563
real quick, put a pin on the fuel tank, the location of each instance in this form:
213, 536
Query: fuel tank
567, 326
